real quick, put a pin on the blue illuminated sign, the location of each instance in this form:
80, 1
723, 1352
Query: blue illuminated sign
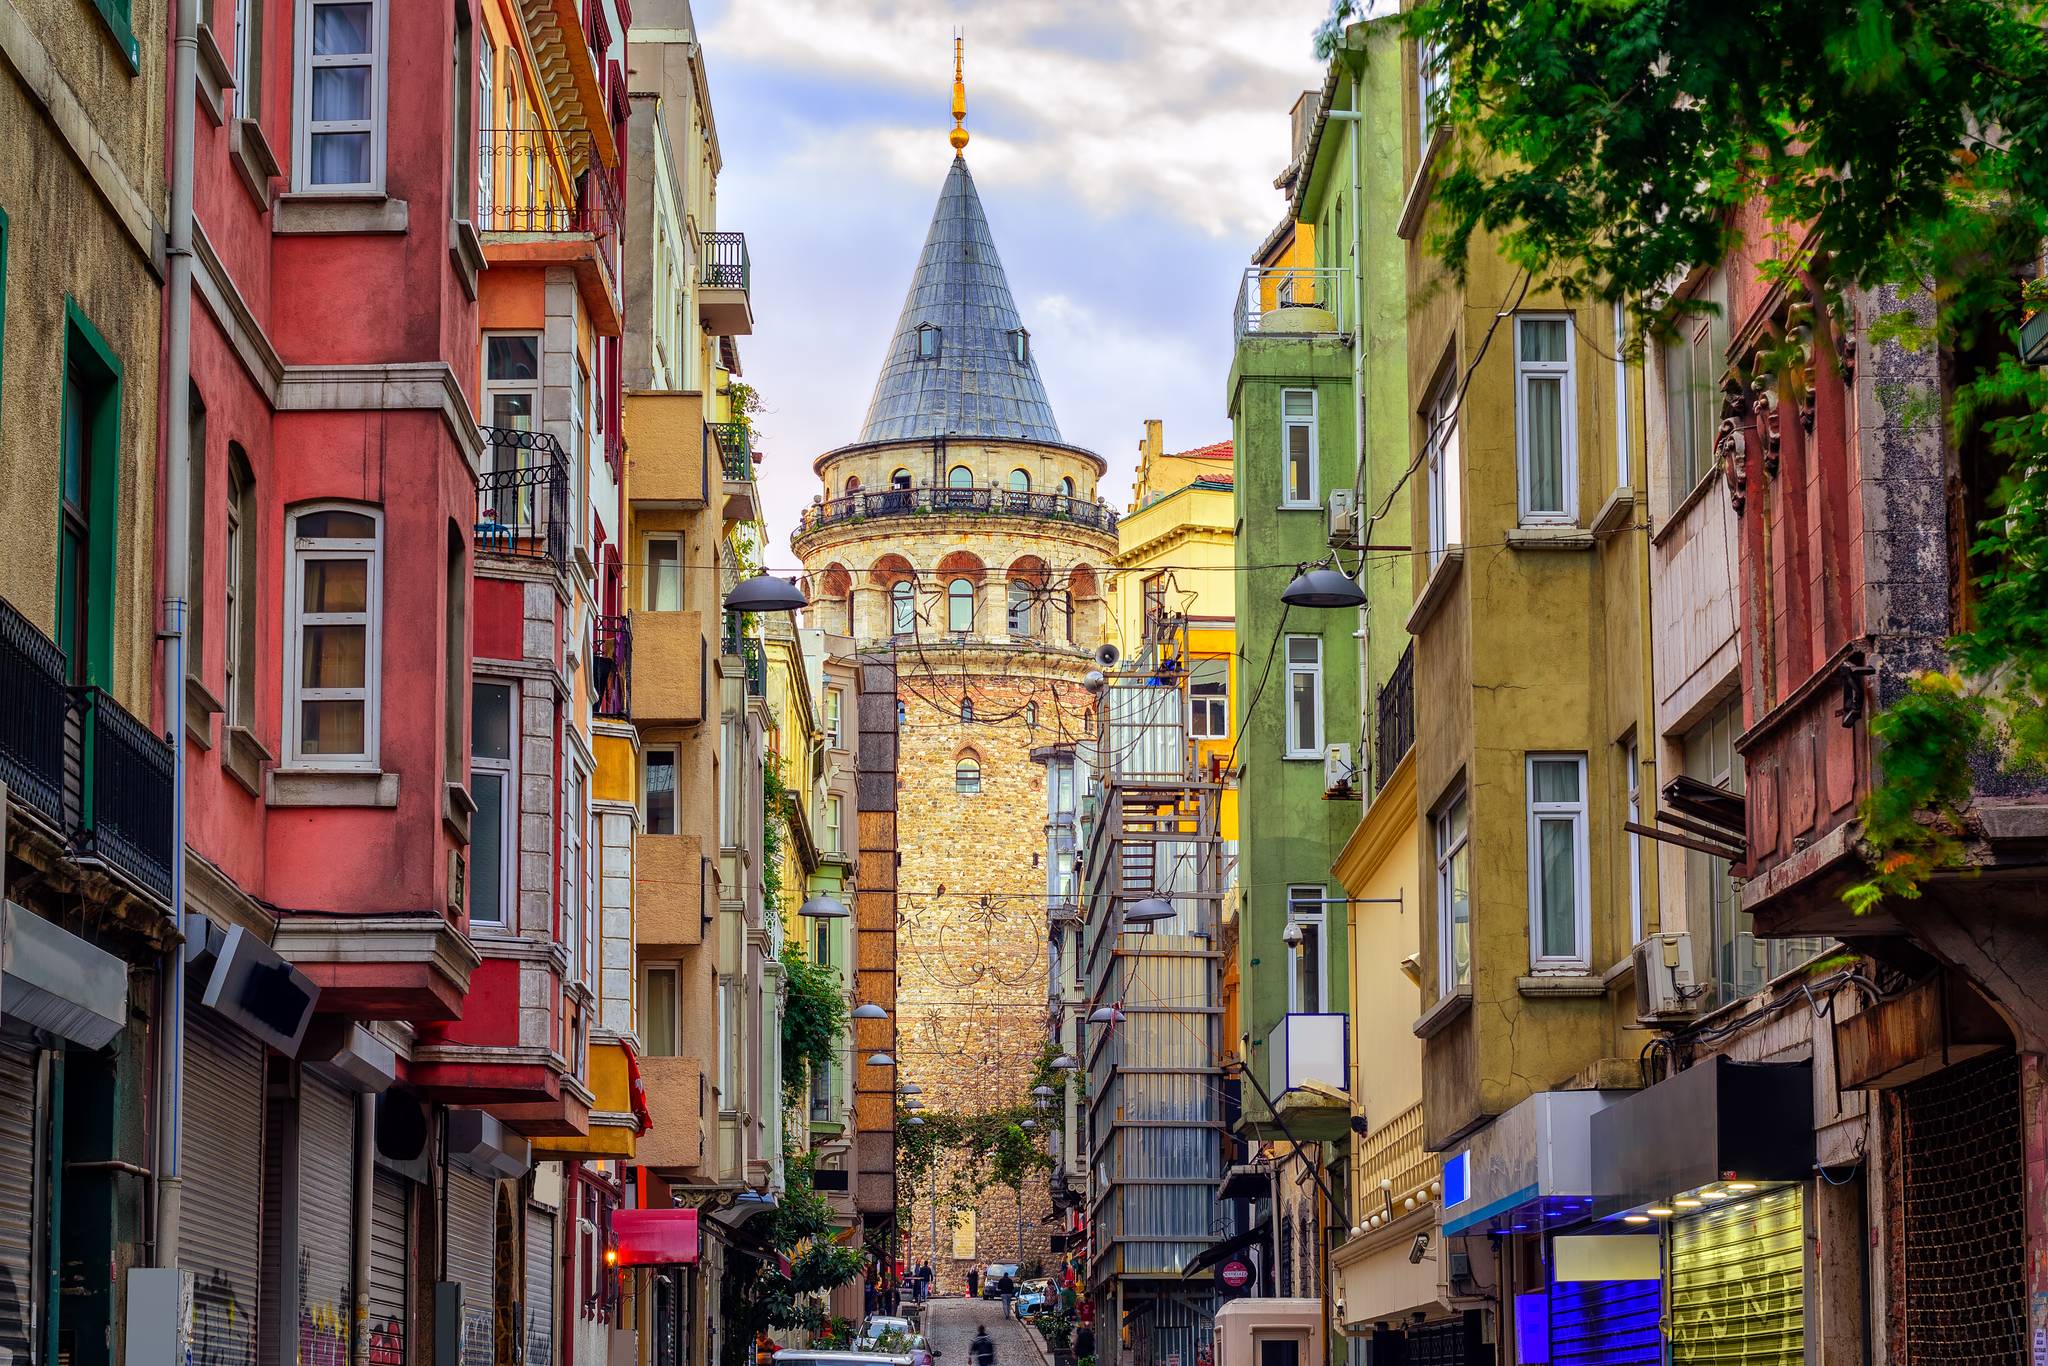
1457, 1178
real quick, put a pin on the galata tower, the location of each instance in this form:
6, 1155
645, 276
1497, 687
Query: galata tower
961, 535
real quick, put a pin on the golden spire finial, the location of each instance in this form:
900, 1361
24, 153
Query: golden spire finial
958, 136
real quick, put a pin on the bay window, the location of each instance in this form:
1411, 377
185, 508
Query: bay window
1546, 427
341, 81
1560, 879
1453, 897
333, 632
494, 787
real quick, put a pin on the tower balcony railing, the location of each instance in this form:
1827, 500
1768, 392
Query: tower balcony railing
81, 762
1292, 301
522, 496
927, 501
547, 183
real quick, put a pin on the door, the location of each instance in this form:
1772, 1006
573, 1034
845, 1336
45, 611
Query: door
221, 1238
472, 1237
1738, 1283
390, 1208
326, 1218
540, 1286
20, 1298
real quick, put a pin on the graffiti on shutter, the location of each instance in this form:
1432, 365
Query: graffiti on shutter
19, 1063
1738, 1283
471, 1232
390, 1197
326, 1222
221, 1239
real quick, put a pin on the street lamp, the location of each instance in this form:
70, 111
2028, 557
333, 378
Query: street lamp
1322, 587
1106, 1015
1148, 911
911, 1088
868, 1010
1064, 1063
766, 593
880, 1060
823, 907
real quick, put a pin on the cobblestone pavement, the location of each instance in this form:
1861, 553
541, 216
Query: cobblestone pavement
950, 1324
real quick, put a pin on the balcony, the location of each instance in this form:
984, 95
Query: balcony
1393, 1154
670, 884
732, 445
1394, 736
611, 664
545, 198
675, 1089
522, 497
96, 776
725, 301
756, 667
1292, 302
982, 502
668, 450
1308, 1060
671, 693
614, 1126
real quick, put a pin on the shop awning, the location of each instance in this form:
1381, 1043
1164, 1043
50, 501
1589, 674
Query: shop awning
1218, 1253
1532, 1168
52, 979
1246, 1181
1721, 1120
655, 1237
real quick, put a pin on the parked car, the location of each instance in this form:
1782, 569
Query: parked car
1034, 1297
833, 1356
992, 1275
879, 1325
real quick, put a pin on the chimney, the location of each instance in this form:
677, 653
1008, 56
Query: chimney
1303, 119
1149, 449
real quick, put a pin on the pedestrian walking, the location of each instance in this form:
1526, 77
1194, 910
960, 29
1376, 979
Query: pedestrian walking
1084, 1342
982, 1351
1007, 1288
973, 1281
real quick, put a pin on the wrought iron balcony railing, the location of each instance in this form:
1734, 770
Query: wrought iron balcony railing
1395, 734
529, 181
522, 496
32, 723
1292, 301
611, 657
726, 264
81, 761
735, 448
926, 501
757, 668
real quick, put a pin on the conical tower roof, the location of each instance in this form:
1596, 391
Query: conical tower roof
975, 386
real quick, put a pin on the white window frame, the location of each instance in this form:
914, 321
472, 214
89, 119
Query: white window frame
579, 443
1622, 460
1441, 454
486, 115
963, 766
835, 716
303, 127
574, 839
1314, 670
1311, 424
300, 551
1448, 848
240, 39
1198, 706
675, 973
1429, 83
728, 1096
1315, 914
835, 830
953, 598
1540, 814
508, 811
648, 597
647, 757
236, 602
1565, 372
492, 388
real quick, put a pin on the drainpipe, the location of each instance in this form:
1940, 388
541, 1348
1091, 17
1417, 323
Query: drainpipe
177, 531
1359, 484
366, 1178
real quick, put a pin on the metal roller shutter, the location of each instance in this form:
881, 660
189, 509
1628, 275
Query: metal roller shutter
326, 1216
221, 1237
540, 1286
390, 1201
19, 1297
1605, 1323
471, 1233
1738, 1283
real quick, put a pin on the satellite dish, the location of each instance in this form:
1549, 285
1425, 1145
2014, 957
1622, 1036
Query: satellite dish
1107, 655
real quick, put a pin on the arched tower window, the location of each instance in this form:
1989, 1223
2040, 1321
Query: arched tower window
1067, 487
966, 709
902, 608
960, 607
960, 477
1020, 481
1020, 609
1031, 714
927, 341
899, 479
967, 775
852, 484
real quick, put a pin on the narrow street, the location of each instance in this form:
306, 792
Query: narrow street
950, 1325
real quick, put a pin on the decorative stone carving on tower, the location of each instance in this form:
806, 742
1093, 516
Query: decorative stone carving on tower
963, 538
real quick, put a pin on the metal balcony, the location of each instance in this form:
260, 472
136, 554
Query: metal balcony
756, 667
735, 448
611, 662
522, 496
1292, 301
79, 760
725, 301
1053, 507
537, 182
1394, 736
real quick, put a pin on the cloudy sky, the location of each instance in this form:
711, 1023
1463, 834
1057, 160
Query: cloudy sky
1124, 149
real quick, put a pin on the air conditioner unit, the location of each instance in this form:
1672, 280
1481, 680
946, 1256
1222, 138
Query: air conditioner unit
1337, 770
1666, 989
1343, 518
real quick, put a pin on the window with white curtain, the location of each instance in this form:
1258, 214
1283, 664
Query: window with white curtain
1560, 878
1298, 442
1453, 897
1546, 427
1440, 454
1304, 697
333, 620
494, 787
660, 1010
340, 115
664, 573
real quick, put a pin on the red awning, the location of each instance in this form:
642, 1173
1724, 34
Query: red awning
655, 1237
